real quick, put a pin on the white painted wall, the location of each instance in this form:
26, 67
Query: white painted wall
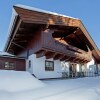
65, 68
38, 67
85, 67
89, 69
90, 63
99, 69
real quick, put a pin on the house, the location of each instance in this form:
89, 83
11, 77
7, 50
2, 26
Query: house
51, 42
11, 62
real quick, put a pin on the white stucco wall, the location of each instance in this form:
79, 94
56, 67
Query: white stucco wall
38, 67
90, 63
78, 68
99, 69
89, 69
85, 67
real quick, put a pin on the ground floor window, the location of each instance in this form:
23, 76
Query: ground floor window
9, 65
29, 63
49, 65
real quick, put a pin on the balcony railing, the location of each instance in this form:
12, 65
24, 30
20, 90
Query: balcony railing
49, 43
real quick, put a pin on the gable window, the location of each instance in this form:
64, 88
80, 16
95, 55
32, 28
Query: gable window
49, 65
9, 65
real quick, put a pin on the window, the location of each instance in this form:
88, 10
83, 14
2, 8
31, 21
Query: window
9, 65
29, 63
49, 66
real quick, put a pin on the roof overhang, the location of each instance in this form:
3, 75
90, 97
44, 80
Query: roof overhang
34, 18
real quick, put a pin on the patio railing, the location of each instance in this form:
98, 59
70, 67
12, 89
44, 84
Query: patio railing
79, 74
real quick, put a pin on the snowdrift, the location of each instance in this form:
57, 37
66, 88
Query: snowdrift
23, 86
14, 81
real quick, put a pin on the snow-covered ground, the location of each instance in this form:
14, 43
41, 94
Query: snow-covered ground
23, 86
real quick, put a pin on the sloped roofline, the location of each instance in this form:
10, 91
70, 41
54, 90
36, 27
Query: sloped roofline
15, 16
80, 25
11, 26
86, 33
43, 11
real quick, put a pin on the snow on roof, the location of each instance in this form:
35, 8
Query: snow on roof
12, 22
40, 10
14, 14
5, 54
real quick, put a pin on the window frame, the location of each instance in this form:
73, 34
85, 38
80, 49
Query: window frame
29, 64
49, 68
9, 65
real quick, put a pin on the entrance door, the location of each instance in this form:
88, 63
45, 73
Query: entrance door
72, 69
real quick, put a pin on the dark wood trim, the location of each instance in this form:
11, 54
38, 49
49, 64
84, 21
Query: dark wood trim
19, 64
15, 31
49, 68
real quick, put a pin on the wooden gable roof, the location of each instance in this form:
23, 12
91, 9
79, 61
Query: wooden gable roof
28, 20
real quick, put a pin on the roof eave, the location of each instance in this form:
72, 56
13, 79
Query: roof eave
11, 27
86, 33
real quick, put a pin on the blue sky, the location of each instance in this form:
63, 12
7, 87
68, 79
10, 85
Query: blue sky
86, 10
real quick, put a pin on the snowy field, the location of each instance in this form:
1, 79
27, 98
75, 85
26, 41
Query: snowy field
23, 86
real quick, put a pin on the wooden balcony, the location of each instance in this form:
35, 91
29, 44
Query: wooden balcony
52, 48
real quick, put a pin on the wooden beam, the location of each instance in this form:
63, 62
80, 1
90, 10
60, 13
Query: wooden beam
64, 58
72, 59
50, 55
20, 41
24, 34
84, 61
44, 18
75, 59
68, 59
27, 30
58, 56
17, 27
81, 60
41, 53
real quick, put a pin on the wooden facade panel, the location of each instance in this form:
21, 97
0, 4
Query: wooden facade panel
55, 46
35, 44
44, 41
19, 64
